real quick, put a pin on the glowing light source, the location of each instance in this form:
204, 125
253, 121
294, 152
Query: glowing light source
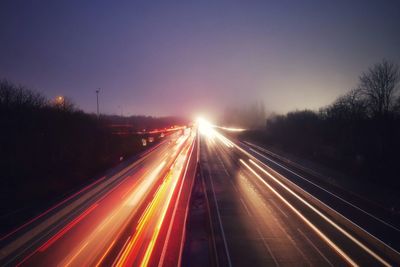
205, 127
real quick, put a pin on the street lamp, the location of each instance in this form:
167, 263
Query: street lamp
97, 98
60, 100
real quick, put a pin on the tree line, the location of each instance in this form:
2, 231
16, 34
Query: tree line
49, 147
358, 133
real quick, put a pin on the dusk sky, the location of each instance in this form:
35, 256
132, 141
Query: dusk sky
190, 57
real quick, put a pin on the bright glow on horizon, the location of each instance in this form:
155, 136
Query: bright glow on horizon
205, 127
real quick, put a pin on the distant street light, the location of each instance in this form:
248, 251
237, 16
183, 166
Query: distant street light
60, 100
97, 98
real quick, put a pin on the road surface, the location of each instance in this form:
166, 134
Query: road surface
124, 219
257, 215
261, 218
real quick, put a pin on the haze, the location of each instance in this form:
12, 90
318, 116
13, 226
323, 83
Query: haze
188, 57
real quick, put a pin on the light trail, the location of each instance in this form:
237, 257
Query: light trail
230, 129
153, 217
312, 226
325, 190
105, 253
138, 194
167, 238
64, 210
208, 130
347, 234
113, 224
340, 229
67, 228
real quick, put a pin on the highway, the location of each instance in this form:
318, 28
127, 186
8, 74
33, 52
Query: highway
261, 218
136, 215
124, 219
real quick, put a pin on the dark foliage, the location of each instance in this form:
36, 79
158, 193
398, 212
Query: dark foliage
358, 134
48, 149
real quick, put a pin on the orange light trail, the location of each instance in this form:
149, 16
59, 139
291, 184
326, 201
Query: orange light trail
153, 216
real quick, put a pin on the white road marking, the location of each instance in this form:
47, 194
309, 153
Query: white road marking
315, 247
268, 248
276, 206
219, 219
245, 207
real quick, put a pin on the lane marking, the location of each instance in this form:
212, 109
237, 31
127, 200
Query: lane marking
321, 234
209, 218
223, 165
206, 197
276, 206
219, 219
267, 247
292, 241
315, 247
245, 207
234, 186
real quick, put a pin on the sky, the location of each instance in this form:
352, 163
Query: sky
195, 57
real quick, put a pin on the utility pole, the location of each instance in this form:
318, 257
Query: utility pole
97, 98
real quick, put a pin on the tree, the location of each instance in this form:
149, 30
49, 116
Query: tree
348, 107
397, 106
379, 86
12, 96
64, 103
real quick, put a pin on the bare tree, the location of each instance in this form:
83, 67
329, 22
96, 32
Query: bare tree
379, 85
12, 96
64, 103
350, 106
397, 105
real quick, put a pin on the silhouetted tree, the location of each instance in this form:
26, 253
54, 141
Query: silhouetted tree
48, 148
358, 133
65, 104
349, 107
12, 96
379, 86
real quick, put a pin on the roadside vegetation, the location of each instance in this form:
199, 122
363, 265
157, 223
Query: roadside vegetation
358, 134
50, 148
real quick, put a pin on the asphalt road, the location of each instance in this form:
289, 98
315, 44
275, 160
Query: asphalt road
261, 218
375, 219
257, 215
123, 219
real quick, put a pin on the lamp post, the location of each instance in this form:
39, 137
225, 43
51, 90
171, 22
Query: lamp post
97, 98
